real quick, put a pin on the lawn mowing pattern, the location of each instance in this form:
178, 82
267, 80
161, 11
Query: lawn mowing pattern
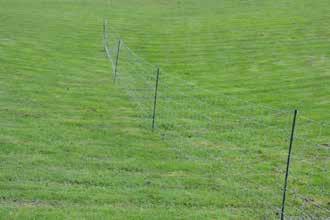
70, 143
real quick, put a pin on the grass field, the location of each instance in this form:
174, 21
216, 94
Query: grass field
73, 147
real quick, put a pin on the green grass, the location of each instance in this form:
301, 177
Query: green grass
71, 142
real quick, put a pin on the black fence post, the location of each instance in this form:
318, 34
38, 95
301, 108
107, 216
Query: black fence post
104, 30
155, 100
288, 163
105, 35
117, 60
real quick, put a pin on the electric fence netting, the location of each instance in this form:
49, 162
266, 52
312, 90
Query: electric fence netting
309, 181
239, 142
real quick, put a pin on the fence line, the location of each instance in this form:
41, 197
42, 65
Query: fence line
197, 125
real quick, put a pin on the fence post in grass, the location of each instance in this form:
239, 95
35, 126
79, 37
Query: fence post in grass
155, 100
117, 60
105, 39
288, 163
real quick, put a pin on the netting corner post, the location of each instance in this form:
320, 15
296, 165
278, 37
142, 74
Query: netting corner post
293, 127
